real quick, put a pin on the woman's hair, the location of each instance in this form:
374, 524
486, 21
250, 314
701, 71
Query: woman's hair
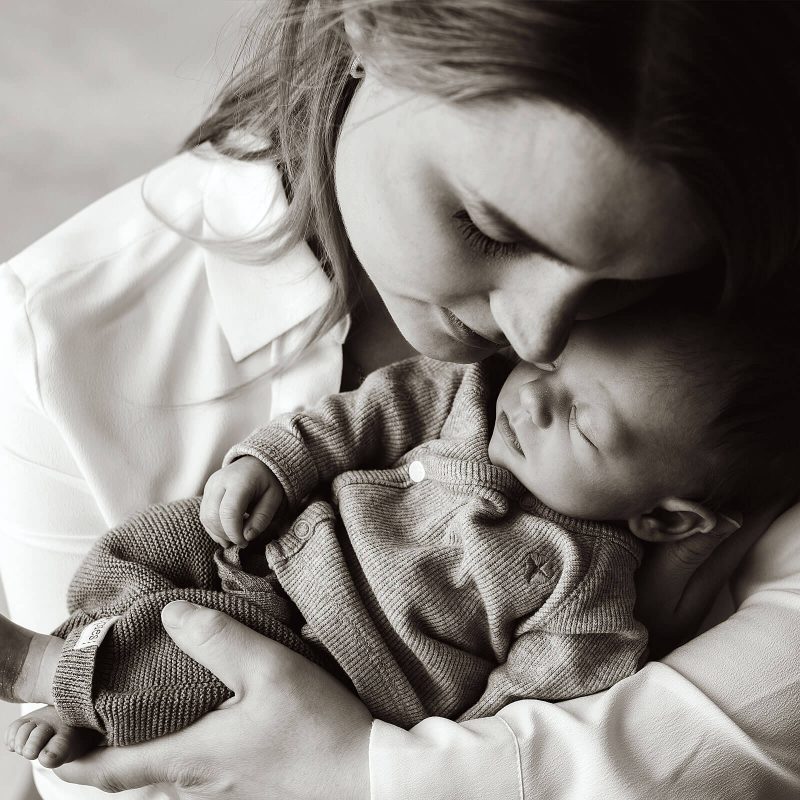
711, 89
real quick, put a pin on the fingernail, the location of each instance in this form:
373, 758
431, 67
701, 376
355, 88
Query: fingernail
173, 615
251, 533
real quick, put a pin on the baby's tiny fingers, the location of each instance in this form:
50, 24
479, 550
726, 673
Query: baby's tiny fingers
220, 540
263, 512
209, 509
231, 514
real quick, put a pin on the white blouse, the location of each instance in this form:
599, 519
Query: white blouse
131, 358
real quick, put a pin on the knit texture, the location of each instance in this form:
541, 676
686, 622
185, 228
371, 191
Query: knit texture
138, 684
408, 563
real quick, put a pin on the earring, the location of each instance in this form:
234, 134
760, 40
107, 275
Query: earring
357, 70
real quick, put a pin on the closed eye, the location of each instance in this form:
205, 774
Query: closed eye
475, 237
573, 423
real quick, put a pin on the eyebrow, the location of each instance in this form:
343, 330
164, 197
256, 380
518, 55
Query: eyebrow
513, 231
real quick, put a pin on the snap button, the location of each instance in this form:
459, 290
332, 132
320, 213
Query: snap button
416, 471
302, 529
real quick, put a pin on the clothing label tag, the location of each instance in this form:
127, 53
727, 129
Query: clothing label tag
93, 634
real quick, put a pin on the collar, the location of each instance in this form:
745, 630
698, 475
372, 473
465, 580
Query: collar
255, 304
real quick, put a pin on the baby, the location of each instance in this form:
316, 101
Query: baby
431, 538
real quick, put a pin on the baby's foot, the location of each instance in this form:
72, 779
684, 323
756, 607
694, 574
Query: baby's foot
28, 662
43, 735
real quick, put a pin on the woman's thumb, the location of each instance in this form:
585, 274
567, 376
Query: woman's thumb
211, 638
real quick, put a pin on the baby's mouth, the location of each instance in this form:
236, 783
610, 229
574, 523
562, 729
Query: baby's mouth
508, 433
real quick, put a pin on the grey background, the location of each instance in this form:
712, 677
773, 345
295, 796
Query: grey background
92, 94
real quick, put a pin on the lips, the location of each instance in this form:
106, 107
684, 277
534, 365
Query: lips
508, 433
459, 330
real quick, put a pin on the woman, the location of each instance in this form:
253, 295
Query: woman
500, 168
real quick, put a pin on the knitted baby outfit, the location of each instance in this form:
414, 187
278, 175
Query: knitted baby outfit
417, 571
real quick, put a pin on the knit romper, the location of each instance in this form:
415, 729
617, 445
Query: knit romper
423, 576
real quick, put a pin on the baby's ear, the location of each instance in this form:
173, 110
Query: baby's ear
673, 518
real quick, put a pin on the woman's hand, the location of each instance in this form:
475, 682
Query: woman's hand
679, 581
291, 731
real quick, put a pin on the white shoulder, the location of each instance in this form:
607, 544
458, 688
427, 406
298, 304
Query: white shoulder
177, 196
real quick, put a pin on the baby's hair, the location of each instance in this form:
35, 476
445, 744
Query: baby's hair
711, 90
745, 368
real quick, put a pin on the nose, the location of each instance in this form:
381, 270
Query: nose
537, 319
536, 398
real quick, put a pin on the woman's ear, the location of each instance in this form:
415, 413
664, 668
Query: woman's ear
673, 518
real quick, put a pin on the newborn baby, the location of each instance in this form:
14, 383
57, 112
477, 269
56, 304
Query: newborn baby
431, 538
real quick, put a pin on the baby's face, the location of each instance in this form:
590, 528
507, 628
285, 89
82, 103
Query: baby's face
606, 434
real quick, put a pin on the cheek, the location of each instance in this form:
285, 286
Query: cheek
611, 495
390, 230
549, 473
559, 485
574, 498
391, 202
571, 486
361, 203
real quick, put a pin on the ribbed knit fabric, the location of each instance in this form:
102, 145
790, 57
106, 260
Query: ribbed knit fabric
424, 573
137, 684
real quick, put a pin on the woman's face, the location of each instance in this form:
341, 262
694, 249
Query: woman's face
495, 224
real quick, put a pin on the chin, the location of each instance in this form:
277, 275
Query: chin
444, 348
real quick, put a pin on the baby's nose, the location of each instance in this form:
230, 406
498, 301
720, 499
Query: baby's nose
535, 398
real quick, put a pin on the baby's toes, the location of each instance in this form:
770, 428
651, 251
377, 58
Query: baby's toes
37, 739
43, 734
68, 744
24, 730
11, 733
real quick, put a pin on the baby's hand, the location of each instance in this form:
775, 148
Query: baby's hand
239, 501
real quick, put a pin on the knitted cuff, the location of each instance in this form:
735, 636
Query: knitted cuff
286, 455
73, 681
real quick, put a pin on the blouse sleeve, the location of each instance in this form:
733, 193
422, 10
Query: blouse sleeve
103, 323
48, 517
719, 717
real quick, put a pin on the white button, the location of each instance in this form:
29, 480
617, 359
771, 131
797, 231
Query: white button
416, 471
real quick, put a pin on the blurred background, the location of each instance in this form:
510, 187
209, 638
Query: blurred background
92, 94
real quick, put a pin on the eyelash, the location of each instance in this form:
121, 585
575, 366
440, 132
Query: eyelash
474, 236
573, 423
